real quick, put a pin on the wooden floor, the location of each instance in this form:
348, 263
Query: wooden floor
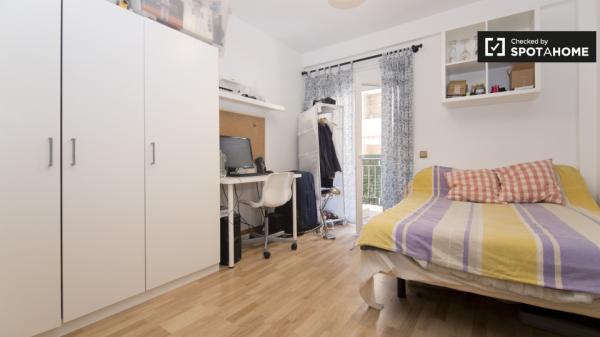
309, 292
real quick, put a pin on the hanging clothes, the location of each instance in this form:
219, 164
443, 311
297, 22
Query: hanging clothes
328, 157
338, 85
307, 205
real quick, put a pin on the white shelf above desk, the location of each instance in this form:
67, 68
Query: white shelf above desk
247, 106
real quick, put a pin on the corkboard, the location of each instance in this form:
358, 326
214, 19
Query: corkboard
238, 125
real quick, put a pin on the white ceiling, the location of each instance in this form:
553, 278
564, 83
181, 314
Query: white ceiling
306, 25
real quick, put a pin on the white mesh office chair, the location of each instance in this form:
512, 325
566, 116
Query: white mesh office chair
276, 191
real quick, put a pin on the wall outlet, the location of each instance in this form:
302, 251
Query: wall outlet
423, 154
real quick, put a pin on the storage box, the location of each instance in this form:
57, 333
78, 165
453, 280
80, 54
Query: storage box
198, 21
168, 12
522, 76
457, 88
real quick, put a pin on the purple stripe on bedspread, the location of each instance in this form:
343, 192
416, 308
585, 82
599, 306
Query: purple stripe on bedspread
419, 234
585, 215
467, 239
399, 228
548, 263
580, 258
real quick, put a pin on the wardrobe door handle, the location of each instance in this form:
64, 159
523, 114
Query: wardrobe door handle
153, 162
50, 151
73, 153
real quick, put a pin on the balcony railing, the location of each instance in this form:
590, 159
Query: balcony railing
371, 168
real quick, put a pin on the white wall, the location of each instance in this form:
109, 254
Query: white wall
255, 59
550, 126
588, 145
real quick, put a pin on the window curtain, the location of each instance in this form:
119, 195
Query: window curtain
397, 163
338, 84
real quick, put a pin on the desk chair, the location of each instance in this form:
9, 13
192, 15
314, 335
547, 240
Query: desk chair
276, 191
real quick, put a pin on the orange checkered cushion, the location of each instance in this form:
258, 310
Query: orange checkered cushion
529, 182
473, 185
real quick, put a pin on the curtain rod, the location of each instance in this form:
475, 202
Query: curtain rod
415, 48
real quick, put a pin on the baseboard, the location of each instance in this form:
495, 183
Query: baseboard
101, 314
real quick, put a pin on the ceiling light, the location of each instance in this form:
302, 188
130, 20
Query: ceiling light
345, 4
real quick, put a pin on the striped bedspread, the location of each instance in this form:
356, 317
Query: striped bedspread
540, 244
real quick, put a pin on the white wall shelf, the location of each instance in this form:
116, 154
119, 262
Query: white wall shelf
492, 98
247, 106
459, 61
462, 66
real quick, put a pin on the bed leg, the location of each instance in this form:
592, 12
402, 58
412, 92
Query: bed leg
401, 284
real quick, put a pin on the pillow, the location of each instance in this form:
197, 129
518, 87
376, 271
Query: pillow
529, 182
473, 185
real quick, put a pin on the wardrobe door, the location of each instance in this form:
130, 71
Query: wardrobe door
182, 175
103, 161
30, 169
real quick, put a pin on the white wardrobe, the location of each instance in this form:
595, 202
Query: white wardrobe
182, 133
139, 166
30, 169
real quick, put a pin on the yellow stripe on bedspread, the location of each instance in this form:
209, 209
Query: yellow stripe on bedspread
509, 247
379, 231
576, 191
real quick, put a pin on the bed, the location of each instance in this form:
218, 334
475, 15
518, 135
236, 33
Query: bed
542, 254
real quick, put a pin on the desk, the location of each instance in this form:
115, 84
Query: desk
230, 182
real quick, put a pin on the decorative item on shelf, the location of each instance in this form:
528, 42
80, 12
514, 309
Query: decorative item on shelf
203, 19
248, 96
522, 76
477, 89
497, 88
473, 47
452, 51
168, 12
326, 100
466, 53
457, 88
230, 85
123, 4
198, 21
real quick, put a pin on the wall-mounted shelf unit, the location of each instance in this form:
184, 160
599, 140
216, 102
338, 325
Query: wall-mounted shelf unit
459, 62
244, 105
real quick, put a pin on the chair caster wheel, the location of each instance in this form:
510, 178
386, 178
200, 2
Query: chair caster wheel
294, 246
266, 254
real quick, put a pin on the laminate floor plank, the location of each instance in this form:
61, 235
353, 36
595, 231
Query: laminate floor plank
311, 292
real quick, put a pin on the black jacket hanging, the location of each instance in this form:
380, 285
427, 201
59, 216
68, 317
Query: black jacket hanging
328, 157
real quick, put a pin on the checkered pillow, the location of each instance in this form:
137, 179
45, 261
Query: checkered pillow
473, 185
529, 182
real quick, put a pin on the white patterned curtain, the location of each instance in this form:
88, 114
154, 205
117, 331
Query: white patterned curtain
339, 86
397, 125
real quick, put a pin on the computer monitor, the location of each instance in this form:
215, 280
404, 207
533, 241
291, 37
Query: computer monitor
238, 152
